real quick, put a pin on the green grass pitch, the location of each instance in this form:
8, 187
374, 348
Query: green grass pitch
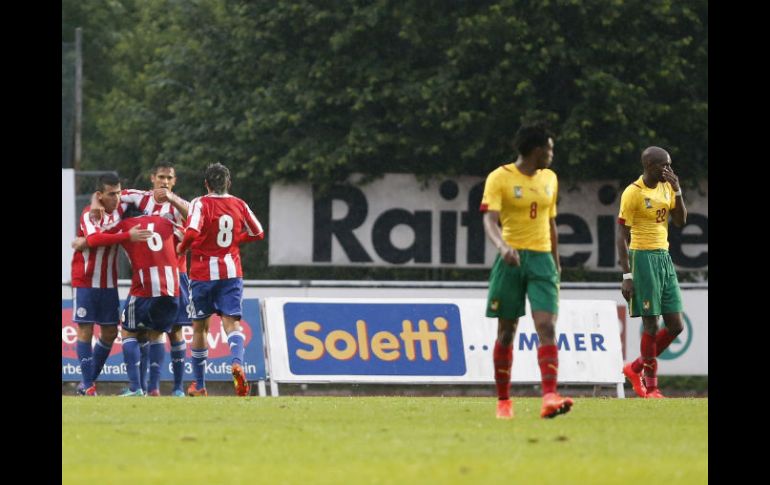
371, 440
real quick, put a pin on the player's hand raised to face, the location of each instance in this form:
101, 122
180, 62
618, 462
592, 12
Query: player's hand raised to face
161, 195
671, 178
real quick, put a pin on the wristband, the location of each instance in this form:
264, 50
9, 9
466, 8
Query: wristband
678, 192
628, 276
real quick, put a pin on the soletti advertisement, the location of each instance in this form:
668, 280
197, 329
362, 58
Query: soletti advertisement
433, 341
400, 221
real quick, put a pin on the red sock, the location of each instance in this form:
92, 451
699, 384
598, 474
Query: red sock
548, 359
503, 361
650, 364
662, 340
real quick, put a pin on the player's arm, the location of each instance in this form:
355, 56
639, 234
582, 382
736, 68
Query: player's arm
628, 201
495, 234
79, 244
163, 195
555, 244
622, 241
554, 231
254, 231
679, 211
108, 238
128, 196
189, 236
245, 237
193, 226
87, 226
97, 209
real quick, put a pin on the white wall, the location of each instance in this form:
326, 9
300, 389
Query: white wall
68, 220
438, 224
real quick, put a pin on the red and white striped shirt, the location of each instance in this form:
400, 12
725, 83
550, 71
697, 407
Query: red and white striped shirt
96, 267
220, 221
154, 268
145, 201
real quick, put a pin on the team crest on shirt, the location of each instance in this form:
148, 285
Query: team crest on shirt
647, 203
81, 312
517, 192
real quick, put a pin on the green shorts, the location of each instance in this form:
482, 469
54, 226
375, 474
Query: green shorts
656, 289
536, 277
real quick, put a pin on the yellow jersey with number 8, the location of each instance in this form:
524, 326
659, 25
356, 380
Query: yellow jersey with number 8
525, 203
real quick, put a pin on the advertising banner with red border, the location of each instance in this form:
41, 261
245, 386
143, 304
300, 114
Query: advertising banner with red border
217, 367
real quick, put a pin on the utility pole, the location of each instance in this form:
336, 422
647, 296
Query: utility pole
78, 94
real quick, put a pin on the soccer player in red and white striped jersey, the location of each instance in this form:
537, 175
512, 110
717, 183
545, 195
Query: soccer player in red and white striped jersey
153, 300
161, 200
218, 222
94, 284
97, 267
154, 266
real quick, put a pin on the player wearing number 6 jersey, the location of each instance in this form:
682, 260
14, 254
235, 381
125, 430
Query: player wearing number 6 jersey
161, 200
649, 280
217, 223
152, 303
521, 197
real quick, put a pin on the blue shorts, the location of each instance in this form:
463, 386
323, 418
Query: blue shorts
183, 315
154, 313
223, 297
96, 305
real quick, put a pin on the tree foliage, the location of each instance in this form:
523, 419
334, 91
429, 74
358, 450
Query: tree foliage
314, 90
301, 90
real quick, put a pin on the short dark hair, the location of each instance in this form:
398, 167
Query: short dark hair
217, 176
132, 211
162, 164
106, 179
531, 136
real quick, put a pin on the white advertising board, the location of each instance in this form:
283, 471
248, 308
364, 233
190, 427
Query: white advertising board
429, 341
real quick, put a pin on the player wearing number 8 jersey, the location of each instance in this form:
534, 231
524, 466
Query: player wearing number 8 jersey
521, 197
217, 223
649, 279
